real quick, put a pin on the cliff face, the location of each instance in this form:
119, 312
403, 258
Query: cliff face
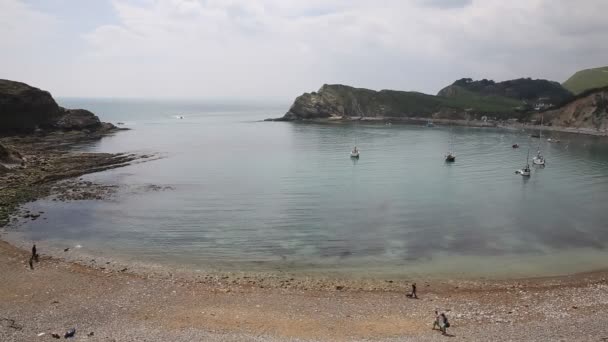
588, 111
24, 109
340, 101
343, 101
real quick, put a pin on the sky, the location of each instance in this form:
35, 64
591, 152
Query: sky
278, 49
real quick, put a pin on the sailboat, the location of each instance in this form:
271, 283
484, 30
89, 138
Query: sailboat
355, 152
525, 172
450, 157
539, 159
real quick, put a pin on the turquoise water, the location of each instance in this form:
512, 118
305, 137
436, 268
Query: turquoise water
251, 195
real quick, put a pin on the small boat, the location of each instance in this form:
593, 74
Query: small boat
450, 157
553, 140
515, 146
534, 135
430, 124
538, 159
354, 153
525, 172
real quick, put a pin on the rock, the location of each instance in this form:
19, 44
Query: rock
55, 335
70, 333
77, 119
25, 109
339, 287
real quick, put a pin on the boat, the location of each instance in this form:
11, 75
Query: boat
525, 171
515, 146
539, 159
450, 157
354, 153
430, 123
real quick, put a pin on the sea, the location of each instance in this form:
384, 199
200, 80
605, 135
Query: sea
230, 192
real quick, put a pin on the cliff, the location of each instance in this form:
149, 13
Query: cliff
340, 101
25, 109
588, 110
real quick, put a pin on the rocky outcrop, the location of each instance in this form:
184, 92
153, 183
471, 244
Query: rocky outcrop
588, 111
340, 101
25, 109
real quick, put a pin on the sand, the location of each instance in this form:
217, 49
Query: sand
123, 306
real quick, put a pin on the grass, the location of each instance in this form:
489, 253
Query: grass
587, 79
466, 99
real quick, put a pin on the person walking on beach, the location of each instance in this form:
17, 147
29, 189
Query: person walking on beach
441, 321
413, 293
436, 322
34, 253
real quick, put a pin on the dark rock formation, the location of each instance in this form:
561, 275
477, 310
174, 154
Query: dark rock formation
74, 119
25, 109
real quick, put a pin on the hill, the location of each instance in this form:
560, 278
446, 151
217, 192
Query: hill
339, 101
522, 90
587, 79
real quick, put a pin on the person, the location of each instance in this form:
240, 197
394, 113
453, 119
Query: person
413, 293
441, 321
34, 253
436, 322
443, 324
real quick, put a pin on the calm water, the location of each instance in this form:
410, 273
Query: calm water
249, 195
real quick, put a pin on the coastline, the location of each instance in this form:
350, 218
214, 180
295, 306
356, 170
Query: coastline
448, 122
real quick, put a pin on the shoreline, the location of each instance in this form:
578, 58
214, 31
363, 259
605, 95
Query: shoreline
447, 122
125, 305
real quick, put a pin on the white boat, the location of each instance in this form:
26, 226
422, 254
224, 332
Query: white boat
538, 159
525, 171
354, 153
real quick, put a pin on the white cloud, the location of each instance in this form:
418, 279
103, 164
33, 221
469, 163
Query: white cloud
280, 48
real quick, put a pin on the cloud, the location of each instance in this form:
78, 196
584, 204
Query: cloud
280, 48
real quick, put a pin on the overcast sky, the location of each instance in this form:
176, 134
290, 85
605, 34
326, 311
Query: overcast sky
277, 49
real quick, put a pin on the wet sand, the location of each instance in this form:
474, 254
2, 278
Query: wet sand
123, 306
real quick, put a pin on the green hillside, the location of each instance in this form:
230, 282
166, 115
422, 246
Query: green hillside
460, 97
587, 79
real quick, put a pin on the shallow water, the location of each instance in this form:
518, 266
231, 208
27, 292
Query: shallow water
250, 195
